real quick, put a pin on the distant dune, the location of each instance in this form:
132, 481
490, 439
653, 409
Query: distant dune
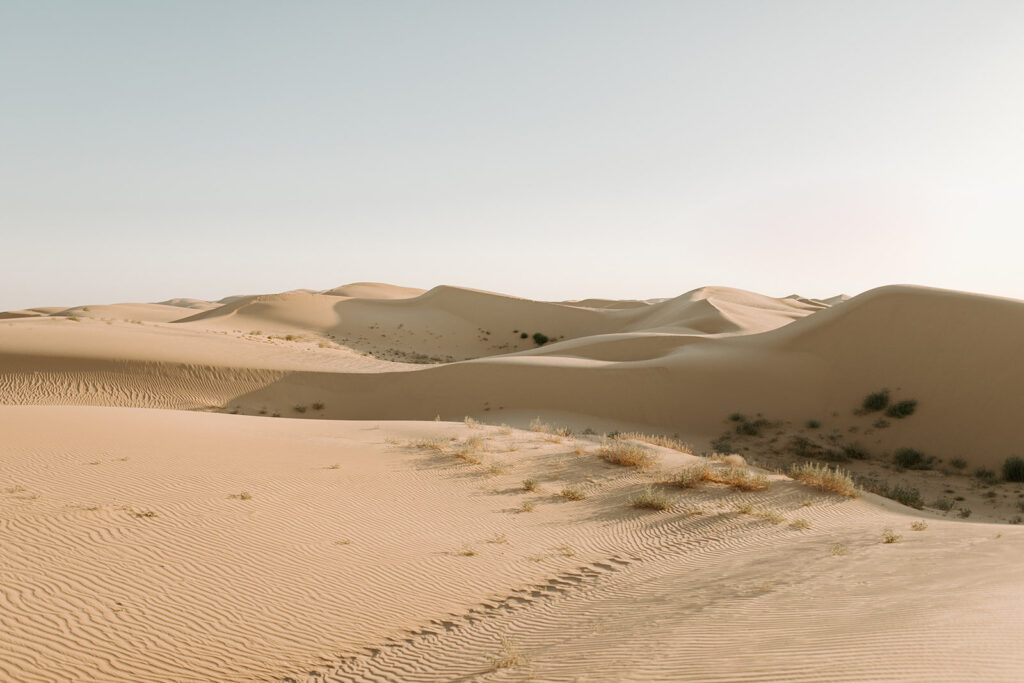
477, 486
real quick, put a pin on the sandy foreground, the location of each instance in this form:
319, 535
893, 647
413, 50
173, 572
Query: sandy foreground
285, 487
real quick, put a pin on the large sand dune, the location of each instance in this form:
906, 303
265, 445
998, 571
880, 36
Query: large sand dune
380, 537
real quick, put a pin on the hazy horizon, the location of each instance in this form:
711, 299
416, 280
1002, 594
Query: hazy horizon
552, 151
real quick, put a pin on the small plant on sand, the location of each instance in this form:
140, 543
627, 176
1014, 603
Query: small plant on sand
538, 425
318, 406
467, 551
890, 536
523, 335
244, 495
528, 506
919, 525
626, 454
964, 513
299, 409
800, 524
471, 423
905, 495
659, 440
692, 476
540, 339
649, 499
566, 550
468, 449
530, 484
813, 424
987, 476
825, 478
771, 516
573, 493
958, 463
838, 549
142, 514
744, 508
509, 655
911, 459
1013, 469
876, 401
902, 409
944, 504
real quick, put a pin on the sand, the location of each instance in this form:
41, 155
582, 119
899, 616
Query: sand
284, 486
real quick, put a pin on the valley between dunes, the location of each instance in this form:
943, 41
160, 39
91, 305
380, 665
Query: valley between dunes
382, 483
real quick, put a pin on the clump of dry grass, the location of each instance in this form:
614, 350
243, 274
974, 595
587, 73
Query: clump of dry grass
467, 551
573, 493
504, 429
528, 506
552, 438
566, 550
771, 516
825, 478
438, 445
531, 484
649, 499
142, 514
890, 536
744, 508
626, 454
244, 495
800, 524
736, 476
919, 525
468, 450
471, 423
658, 440
839, 549
692, 476
538, 425
496, 468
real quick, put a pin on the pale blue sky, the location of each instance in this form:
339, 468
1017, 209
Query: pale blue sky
545, 149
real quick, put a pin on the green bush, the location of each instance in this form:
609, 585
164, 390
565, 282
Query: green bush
958, 463
540, 339
523, 335
1013, 469
910, 459
813, 424
855, 452
876, 401
902, 409
907, 495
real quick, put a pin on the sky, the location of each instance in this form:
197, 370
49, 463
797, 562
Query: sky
552, 150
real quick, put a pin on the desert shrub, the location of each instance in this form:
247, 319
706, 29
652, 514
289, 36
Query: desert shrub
318, 406
910, 459
658, 440
738, 477
876, 401
1013, 469
626, 453
751, 427
573, 493
944, 504
691, 477
523, 335
805, 448
855, 452
986, 475
890, 536
905, 495
813, 424
800, 524
722, 444
531, 484
902, 409
919, 525
825, 478
538, 425
880, 423
540, 339
964, 513
958, 463
737, 417
299, 409
650, 499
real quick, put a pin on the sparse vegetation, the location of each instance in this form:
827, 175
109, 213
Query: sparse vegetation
813, 424
825, 478
919, 525
735, 476
626, 454
911, 459
800, 523
902, 409
964, 513
318, 406
471, 423
649, 499
691, 477
540, 339
855, 452
744, 508
876, 401
573, 493
838, 549
299, 409
905, 495
538, 425
531, 485
509, 656
244, 495
1013, 469
881, 423
944, 504
659, 440
986, 475
890, 536
958, 463
771, 516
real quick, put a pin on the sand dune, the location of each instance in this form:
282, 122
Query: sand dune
374, 542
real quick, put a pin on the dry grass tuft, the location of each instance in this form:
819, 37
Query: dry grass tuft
538, 425
471, 423
771, 516
528, 506
919, 525
467, 551
626, 454
800, 524
504, 430
573, 493
825, 478
650, 499
658, 440
744, 508
468, 450
890, 536
531, 485
497, 468
839, 549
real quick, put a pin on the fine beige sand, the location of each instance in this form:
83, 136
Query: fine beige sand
376, 482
